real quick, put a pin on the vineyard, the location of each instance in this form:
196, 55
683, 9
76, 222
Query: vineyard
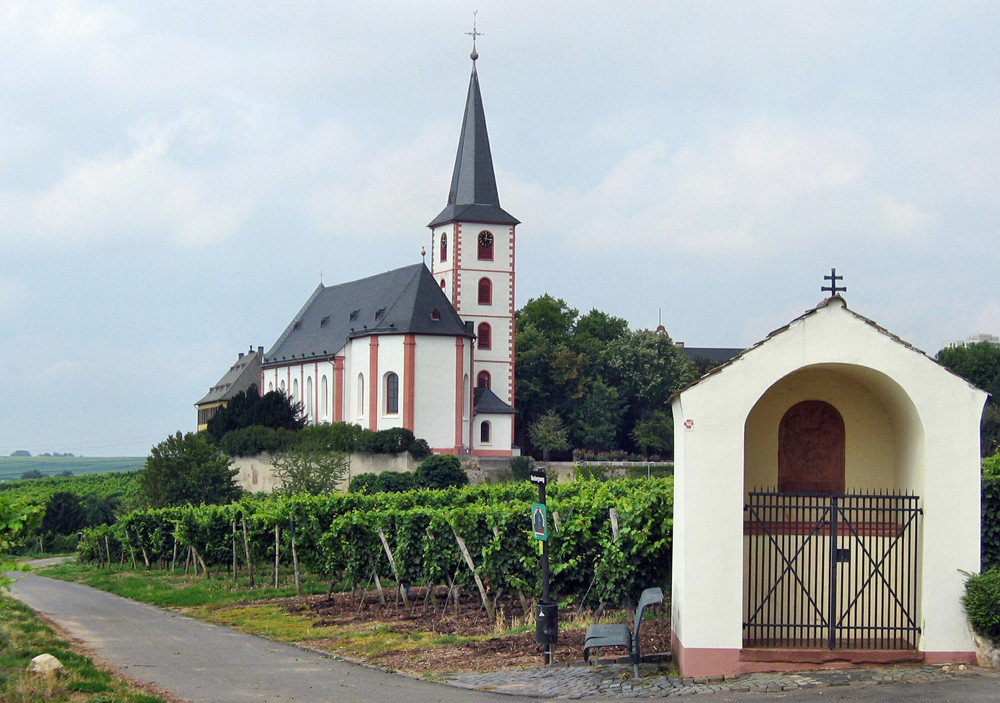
608, 539
12, 467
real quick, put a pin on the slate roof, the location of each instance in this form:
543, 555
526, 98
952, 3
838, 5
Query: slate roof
240, 376
473, 196
401, 301
486, 401
717, 355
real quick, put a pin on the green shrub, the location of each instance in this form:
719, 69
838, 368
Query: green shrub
991, 523
991, 466
649, 471
337, 437
521, 466
585, 472
392, 441
395, 482
419, 449
982, 603
363, 483
251, 441
441, 471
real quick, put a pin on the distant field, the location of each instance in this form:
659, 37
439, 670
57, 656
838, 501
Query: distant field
11, 467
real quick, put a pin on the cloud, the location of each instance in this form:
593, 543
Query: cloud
726, 196
903, 219
144, 192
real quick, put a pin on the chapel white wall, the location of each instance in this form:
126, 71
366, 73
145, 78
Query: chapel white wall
933, 416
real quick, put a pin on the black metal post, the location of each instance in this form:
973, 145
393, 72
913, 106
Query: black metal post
832, 610
550, 647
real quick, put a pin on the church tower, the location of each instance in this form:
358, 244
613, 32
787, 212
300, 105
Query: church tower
472, 259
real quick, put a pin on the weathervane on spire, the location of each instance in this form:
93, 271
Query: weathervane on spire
833, 288
475, 54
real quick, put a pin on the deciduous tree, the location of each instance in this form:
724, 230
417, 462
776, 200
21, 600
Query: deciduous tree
549, 434
980, 364
187, 469
310, 469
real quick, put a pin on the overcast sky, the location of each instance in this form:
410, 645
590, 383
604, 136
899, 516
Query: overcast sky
175, 176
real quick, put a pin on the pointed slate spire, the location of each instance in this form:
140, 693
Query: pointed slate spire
473, 196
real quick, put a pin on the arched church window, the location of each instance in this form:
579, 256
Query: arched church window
324, 391
295, 389
391, 394
444, 250
442, 284
485, 246
485, 335
483, 379
270, 387
485, 291
282, 387
484, 433
310, 400
361, 394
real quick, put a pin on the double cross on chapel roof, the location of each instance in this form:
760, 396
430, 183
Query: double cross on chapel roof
833, 289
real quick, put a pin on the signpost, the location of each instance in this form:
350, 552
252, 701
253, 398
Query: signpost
546, 612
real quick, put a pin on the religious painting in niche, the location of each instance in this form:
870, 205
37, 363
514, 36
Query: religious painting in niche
811, 449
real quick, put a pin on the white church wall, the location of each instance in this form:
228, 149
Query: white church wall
500, 429
434, 389
390, 360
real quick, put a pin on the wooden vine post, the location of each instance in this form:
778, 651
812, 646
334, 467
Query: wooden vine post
246, 550
277, 557
487, 603
392, 563
295, 558
234, 551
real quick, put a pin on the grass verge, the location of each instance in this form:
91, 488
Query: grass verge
24, 636
234, 604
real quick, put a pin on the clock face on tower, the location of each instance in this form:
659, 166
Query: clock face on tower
485, 239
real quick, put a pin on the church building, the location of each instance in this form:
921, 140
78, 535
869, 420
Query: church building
429, 350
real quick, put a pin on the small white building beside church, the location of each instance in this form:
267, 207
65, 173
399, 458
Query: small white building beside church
826, 503
430, 350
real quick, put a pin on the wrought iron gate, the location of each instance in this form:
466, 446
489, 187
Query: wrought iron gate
831, 571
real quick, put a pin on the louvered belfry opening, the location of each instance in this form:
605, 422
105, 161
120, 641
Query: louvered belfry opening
831, 571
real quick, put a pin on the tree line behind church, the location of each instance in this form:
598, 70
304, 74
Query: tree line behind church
588, 383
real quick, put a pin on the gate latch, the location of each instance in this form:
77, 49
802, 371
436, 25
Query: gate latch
842, 555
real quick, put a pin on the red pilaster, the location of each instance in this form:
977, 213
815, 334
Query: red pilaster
459, 390
338, 389
373, 403
409, 380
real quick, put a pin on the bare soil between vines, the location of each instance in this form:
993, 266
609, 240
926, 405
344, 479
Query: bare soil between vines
509, 642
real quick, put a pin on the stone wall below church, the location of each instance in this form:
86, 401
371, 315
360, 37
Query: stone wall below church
255, 473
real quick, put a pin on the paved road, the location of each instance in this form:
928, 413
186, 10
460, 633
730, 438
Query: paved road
203, 663
197, 661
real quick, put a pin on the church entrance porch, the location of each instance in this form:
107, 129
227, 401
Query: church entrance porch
837, 572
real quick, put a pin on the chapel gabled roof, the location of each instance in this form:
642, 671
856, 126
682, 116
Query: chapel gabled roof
473, 196
403, 301
839, 302
240, 376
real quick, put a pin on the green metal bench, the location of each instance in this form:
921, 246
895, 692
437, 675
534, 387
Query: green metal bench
619, 634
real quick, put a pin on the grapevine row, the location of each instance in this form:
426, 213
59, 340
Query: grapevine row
608, 540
